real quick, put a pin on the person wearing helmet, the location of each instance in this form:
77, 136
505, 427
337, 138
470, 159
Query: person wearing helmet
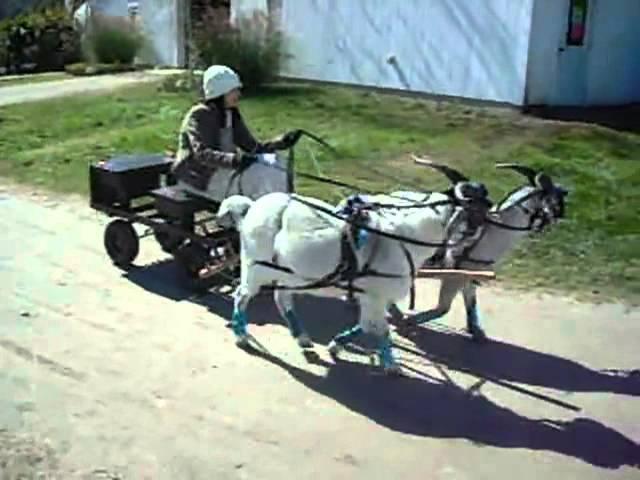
213, 130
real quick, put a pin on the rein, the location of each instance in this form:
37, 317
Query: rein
347, 270
380, 232
322, 179
464, 257
532, 215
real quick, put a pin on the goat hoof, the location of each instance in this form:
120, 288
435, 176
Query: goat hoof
393, 370
334, 349
478, 335
305, 342
407, 328
242, 341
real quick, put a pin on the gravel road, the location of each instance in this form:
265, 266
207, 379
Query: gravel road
105, 374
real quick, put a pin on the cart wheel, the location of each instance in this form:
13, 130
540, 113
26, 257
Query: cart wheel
192, 257
121, 242
169, 241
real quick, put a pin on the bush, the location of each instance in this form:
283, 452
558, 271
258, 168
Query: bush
40, 40
113, 40
83, 69
253, 47
188, 82
4, 53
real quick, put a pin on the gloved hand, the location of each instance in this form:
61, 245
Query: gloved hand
245, 161
268, 158
288, 140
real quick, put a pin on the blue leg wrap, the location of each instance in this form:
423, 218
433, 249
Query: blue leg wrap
473, 319
239, 323
386, 354
294, 323
361, 238
473, 324
344, 337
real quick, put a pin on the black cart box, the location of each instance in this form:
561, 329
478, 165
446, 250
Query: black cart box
122, 178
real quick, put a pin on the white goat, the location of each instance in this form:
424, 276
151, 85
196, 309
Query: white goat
528, 209
308, 245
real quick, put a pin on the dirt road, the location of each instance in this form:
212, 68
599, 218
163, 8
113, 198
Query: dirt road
105, 375
32, 92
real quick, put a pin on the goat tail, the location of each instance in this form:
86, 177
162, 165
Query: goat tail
232, 211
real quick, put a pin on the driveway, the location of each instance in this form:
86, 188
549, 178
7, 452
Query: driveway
105, 374
33, 92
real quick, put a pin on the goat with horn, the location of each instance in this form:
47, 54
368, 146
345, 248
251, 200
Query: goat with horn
530, 208
292, 243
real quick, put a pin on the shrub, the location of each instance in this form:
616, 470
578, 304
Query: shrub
4, 53
113, 40
83, 69
187, 82
253, 47
44, 39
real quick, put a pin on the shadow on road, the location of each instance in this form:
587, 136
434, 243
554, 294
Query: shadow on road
443, 410
437, 408
519, 364
323, 318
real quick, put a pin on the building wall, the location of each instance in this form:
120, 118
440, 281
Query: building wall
163, 23
112, 8
611, 70
548, 27
614, 59
445, 47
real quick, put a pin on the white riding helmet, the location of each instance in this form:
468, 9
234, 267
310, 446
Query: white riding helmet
218, 80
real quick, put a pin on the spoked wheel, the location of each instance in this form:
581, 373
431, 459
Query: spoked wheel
169, 241
202, 268
121, 243
192, 258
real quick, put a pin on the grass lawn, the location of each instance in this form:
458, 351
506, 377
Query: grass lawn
594, 254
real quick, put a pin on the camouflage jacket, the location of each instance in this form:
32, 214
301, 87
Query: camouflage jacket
200, 151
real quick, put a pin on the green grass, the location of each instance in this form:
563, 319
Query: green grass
594, 254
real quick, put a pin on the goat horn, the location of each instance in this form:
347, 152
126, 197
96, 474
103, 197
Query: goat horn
528, 172
452, 174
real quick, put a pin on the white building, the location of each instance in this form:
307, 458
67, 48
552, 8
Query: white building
163, 23
520, 52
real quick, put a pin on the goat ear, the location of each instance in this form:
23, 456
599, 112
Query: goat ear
544, 182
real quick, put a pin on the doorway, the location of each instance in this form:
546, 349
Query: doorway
573, 53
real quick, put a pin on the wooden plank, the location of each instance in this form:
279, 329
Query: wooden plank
443, 272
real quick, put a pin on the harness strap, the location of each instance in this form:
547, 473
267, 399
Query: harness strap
505, 226
346, 271
533, 216
374, 230
330, 280
412, 268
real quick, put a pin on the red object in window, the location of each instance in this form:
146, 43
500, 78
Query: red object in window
577, 22
577, 33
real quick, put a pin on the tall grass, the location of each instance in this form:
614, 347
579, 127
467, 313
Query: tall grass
252, 46
113, 41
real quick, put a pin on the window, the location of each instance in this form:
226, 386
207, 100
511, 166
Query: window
577, 22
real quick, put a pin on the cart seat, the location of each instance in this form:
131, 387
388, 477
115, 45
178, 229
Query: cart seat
173, 202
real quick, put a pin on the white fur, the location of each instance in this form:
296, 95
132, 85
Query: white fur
494, 245
256, 181
308, 242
